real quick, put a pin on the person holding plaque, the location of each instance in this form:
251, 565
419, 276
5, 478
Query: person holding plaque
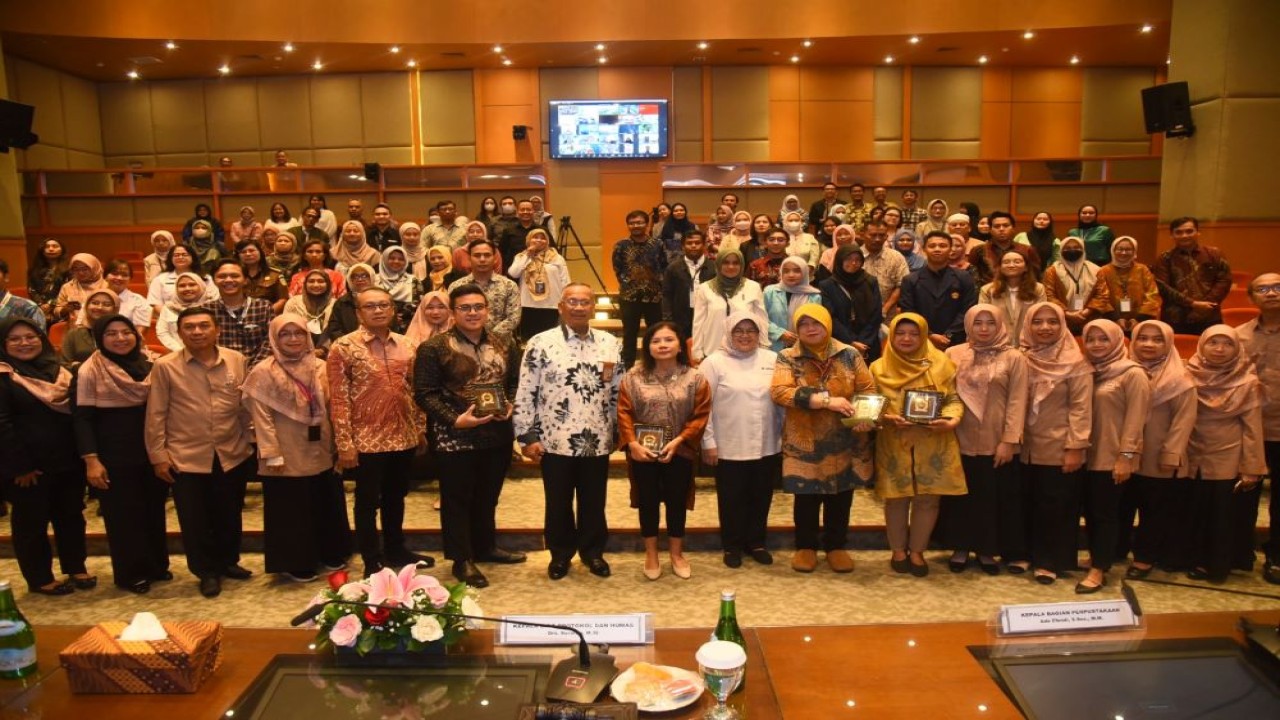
663, 408
743, 439
918, 457
822, 459
462, 379
991, 379
1059, 418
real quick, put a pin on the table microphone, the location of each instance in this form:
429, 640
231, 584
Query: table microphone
579, 680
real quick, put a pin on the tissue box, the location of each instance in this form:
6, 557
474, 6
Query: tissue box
99, 662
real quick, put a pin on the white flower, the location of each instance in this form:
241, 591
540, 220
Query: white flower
471, 607
353, 591
426, 629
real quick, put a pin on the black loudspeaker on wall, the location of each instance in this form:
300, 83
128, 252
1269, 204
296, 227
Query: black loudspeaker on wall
372, 171
1167, 108
519, 132
15, 126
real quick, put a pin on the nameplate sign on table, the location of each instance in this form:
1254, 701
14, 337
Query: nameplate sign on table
625, 629
1066, 617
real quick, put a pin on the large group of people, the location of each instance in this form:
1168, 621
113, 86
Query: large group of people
1026, 380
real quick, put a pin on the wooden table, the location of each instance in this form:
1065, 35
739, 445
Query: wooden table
871, 671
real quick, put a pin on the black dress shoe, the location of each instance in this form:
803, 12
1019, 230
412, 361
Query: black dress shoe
406, 557
142, 587
237, 572
1045, 578
467, 572
210, 586
599, 567
504, 557
990, 568
164, 576
1082, 589
59, 589
1136, 573
1271, 572
919, 570
85, 583
558, 569
762, 556
732, 559
900, 566
958, 566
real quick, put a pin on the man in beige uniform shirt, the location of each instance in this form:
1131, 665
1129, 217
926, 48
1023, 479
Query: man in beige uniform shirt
1261, 339
198, 440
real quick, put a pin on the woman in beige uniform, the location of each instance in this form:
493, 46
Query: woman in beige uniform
1226, 455
1163, 487
1059, 417
1121, 398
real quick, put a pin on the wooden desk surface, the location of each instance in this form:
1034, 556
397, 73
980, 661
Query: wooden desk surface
873, 671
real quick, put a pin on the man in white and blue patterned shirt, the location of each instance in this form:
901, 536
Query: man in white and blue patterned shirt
566, 417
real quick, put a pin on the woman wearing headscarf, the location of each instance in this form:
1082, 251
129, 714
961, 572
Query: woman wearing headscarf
791, 204
394, 277
208, 249
284, 258
852, 296
982, 228
474, 230
153, 264
246, 228
42, 481
800, 242
916, 463
261, 280
432, 318
781, 300
743, 438
1059, 418
353, 247
908, 244
822, 460
991, 380
663, 391
414, 250
542, 275
85, 276
110, 404
1226, 458
1163, 487
304, 516
343, 319
1042, 238
315, 305
716, 298
1121, 401
48, 273
960, 258
674, 230
1013, 289
1131, 286
841, 235
189, 290
740, 234
937, 220
720, 224
78, 344
1097, 237
440, 272
203, 213
1072, 284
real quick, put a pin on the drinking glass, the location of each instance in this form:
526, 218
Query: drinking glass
722, 665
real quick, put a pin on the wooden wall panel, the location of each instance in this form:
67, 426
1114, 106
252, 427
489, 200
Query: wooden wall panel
1044, 129
504, 98
836, 130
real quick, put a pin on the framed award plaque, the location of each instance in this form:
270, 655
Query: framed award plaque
489, 399
921, 406
867, 408
652, 437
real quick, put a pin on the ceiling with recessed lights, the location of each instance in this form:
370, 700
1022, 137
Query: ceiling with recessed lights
109, 41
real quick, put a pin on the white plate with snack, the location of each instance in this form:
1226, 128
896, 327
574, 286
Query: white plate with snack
657, 688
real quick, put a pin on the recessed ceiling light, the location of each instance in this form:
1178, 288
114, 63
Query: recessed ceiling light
913, 39
807, 43
982, 59
132, 74
506, 61
1147, 28
171, 45
1028, 35
225, 69
288, 47
317, 65
497, 48
703, 46
395, 49
888, 58
412, 63
1075, 60
600, 47
602, 59
795, 58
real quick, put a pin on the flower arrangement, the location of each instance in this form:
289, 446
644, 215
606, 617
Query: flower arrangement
392, 625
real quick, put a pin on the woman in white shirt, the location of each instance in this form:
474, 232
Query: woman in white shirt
132, 305
153, 264
281, 219
190, 291
716, 298
802, 243
181, 259
542, 275
743, 439
328, 222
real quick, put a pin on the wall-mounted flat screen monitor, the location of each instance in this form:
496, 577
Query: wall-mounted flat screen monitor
608, 129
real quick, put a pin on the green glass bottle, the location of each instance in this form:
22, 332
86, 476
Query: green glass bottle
17, 640
727, 627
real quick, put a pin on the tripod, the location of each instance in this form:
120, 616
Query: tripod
562, 246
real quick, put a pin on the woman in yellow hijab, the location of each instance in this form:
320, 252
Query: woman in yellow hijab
917, 455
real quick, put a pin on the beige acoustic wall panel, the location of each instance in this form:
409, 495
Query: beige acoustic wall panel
77, 160
177, 116
231, 118
886, 149
887, 108
285, 130
1102, 148
81, 115
126, 119
686, 109
338, 156
44, 157
1254, 69
1250, 147
1111, 111
385, 104
447, 107
387, 155
336, 111
945, 149
39, 86
565, 84
184, 160
449, 155
737, 135
946, 112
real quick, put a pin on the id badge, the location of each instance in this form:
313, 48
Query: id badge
540, 287
1077, 304
313, 433
1126, 306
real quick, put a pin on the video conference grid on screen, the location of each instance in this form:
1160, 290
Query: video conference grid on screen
609, 129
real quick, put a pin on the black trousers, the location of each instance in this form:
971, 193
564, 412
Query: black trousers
663, 484
1164, 531
1101, 517
1244, 527
563, 477
470, 483
536, 320
1054, 498
134, 513
304, 522
1272, 547
54, 499
744, 492
209, 506
835, 520
1211, 531
632, 312
1130, 503
988, 520
382, 482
